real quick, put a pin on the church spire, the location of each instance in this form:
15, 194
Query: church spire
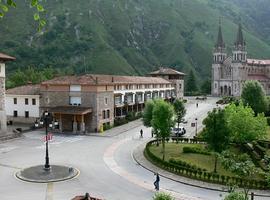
220, 43
239, 38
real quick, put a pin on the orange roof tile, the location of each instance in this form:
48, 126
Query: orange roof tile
25, 90
96, 79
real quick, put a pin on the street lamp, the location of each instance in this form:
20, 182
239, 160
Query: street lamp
48, 120
196, 124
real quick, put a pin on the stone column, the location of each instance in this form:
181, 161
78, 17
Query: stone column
82, 125
74, 124
60, 124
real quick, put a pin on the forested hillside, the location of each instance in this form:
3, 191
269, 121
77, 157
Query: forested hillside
130, 36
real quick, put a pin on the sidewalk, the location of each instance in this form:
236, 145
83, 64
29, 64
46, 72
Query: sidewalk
142, 161
119, 129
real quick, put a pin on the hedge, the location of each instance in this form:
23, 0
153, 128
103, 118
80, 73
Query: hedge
180, 168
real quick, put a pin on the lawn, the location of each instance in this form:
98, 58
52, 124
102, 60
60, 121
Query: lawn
174, 150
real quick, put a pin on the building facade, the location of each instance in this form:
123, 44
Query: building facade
22, 104
87, 103
3, 120
229, 73
175, 77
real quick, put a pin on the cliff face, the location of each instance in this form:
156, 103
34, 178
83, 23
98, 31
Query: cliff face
131, 36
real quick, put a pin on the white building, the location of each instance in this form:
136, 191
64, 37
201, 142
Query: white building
22, 104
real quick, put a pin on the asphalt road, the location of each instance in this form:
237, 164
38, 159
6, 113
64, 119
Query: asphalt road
107, 169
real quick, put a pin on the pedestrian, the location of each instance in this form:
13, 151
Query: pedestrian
141, 133
152, 133
156, 183
197, 105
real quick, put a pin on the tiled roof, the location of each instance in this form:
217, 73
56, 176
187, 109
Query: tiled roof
25, 90
258, 62
95, 79
4, 57
166, 71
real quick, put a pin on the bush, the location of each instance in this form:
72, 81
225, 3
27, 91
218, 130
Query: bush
120, 121
195, 150
235, 196
130, 116
107, 127
163, 196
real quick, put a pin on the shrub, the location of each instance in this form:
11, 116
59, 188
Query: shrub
107, 127
235, 196
163, 196
120, 121
130, 116
268, 120
195, 150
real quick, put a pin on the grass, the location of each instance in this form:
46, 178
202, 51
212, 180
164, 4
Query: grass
174, 150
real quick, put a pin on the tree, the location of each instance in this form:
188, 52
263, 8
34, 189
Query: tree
163, 196
191, 86
162, 121
243, 125
148, 113
206, 87
5, 5
216, 132
180, 111
254, 96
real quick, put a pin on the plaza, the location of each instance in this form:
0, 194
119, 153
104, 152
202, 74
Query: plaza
107, 164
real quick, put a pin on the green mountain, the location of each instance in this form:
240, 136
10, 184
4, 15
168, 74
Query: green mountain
131, 36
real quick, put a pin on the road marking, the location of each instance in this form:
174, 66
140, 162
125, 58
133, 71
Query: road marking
49, 192
108, 158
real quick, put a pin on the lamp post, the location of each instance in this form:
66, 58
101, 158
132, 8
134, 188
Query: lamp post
47, 119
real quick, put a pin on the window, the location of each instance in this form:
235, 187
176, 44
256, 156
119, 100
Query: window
106, 101
75, 88
104, 114
108, 113
15, 100
180, 86
26, 114
15, 113
26, 101
33, 101
75, 100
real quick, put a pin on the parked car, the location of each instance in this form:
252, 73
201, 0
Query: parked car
177, 132
201, 98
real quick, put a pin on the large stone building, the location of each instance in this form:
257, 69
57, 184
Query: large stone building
88, 102
3, 120
229, 73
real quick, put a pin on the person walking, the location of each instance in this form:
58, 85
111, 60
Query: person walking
156, 183
141, 133
197, 105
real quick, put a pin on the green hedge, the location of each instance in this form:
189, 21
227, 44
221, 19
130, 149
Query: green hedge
196, 173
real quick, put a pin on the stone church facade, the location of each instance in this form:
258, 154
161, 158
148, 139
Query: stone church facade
229, 73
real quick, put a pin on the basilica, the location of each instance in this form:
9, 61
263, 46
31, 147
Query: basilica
229, 73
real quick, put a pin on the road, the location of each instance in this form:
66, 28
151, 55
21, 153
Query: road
107, 168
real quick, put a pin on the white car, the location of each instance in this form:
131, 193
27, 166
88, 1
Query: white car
178, 131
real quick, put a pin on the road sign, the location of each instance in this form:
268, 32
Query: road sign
48, 137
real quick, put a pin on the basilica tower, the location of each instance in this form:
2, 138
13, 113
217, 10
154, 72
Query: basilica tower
219, 55
3, 120
239, 60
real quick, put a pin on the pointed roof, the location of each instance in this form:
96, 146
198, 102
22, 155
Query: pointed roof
240, 38
220, 43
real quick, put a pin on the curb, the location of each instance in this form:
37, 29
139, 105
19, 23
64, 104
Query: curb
181, 181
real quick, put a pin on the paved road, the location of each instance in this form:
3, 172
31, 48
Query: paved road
106, 166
